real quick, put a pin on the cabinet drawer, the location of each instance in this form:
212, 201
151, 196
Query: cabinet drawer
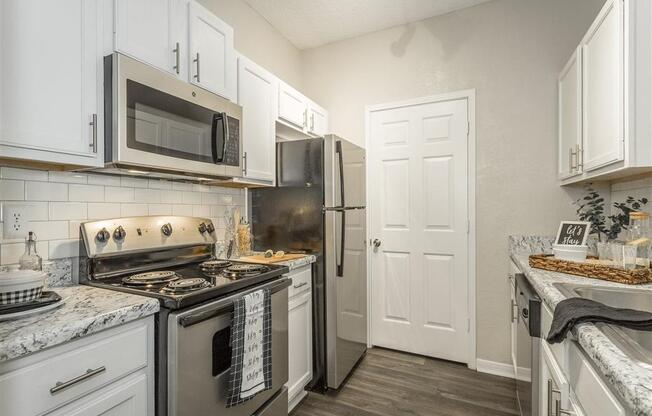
301, 280
30, 386
593, 395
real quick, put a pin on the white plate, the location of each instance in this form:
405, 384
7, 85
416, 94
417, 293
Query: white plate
25, 314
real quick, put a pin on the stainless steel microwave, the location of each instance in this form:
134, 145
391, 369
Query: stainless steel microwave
158, 125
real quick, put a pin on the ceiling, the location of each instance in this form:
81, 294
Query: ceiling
311, 23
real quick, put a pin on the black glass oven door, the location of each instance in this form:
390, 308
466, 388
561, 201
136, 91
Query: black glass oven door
163, 124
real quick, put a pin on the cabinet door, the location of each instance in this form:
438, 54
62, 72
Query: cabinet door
292, 106
257, 96
212, 57
50, 81
603, 99
143, 31
317, 121
126, 397
570, 117
299, 343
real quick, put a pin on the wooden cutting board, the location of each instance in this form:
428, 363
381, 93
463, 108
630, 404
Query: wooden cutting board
259, 258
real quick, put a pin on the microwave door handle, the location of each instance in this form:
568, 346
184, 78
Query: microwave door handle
218, 140
225, 135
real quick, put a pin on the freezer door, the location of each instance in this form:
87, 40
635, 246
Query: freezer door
346, 292
344, 173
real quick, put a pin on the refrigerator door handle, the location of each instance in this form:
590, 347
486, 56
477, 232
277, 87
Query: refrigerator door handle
340, 264
338, 150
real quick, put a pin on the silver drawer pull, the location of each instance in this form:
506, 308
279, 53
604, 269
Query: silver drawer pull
64, 385
300, 285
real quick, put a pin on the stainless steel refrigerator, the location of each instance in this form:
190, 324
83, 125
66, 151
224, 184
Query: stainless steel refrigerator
318, 207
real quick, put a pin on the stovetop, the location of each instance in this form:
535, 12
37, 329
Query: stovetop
181, 286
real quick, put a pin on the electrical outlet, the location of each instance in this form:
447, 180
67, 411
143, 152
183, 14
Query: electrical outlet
16, 221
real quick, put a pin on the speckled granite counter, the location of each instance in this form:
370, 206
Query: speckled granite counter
631, 381
87, 310
295, 264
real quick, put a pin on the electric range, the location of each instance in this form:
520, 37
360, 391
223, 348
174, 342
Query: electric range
170, 258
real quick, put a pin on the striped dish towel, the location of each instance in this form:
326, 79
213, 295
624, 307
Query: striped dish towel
251, 347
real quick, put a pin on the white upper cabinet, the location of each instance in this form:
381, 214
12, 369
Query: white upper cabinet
143, 30
292, 106
570, 117
51, 81
317, 120
212, 57
257, 96
603, 100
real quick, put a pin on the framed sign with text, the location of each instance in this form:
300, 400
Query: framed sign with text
573, 233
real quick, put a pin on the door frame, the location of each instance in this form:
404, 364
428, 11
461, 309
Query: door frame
469, 96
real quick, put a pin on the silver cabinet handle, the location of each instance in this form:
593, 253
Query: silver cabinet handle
312, 122
197, 76
300, 285
59, 386
305, 118
93, 123
570, 160
244, 163
579, 156
514, 309
559, 411
549, 407
176, 58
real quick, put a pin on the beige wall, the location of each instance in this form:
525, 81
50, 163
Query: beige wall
258, 40
510, 51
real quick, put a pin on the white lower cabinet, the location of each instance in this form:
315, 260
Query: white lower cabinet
299, 334
109, 373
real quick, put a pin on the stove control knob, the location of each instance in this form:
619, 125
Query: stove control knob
102, 236
166, 229
210, 228
202, 228
119, 233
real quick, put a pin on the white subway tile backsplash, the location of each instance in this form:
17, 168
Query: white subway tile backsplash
201, 211
12, 190
49, 230
132, 182
118, 194
103, 210
147, 195
181, 186
23, 174
191, 197
59, 201
67, 177
105, 180
133, 210
46, 191
63, 248
68, 211
85, 193
159, 184
159, 209
185, 210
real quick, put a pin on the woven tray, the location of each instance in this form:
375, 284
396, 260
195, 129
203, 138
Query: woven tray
591, 269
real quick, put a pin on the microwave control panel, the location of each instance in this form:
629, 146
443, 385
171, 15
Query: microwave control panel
232, 149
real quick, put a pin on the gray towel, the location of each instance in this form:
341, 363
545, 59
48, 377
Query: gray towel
573, 311
242, 322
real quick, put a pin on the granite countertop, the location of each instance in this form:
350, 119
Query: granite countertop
295, 264
86, 310
631, 381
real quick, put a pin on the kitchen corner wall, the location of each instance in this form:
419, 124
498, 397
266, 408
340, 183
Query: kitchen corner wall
59, 201
510, 52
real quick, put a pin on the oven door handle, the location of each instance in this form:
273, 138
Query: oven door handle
226, 305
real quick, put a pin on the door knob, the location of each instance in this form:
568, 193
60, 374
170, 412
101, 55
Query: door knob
376, 243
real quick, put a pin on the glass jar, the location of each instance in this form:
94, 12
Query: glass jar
638, 235
30, 260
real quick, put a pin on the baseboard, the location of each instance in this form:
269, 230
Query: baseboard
501, 369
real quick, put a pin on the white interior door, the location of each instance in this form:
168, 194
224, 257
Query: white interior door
419, 214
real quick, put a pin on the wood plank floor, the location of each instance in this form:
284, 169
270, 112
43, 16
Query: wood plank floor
390, 383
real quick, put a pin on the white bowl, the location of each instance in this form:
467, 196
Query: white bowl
570, 253
18, 286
